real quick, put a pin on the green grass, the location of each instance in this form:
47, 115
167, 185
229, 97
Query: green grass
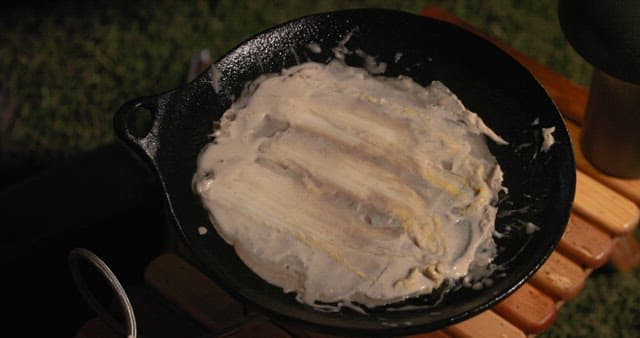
71, 66
609, 306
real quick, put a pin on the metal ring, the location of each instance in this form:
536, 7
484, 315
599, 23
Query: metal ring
74, 259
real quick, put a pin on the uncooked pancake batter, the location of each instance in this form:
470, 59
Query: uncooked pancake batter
345, 187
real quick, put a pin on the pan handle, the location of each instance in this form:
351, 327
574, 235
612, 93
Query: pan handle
127, 122
74, 258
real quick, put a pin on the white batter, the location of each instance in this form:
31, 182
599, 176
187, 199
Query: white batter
345, 187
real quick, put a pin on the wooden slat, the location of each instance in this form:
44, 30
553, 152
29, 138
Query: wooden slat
264, 329
529, 309
487, 324
300, 331
206, 302
434, 334
585, 243
604, 207
560, 277
193, 292
626, 255
203, 300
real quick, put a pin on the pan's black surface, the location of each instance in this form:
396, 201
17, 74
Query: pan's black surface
489, 82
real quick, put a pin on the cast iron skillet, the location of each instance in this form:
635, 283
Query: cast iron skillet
488, 81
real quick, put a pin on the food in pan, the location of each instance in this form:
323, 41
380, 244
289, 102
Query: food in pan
345, 187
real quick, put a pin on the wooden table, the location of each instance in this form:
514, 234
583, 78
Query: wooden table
601, 229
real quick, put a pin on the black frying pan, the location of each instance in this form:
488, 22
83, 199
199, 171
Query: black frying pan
488, 81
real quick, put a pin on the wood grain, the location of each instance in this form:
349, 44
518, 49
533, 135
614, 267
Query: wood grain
604, 207
560, 277
529, 309
485, 325
584, 243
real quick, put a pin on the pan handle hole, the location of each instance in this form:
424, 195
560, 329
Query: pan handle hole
140, 121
